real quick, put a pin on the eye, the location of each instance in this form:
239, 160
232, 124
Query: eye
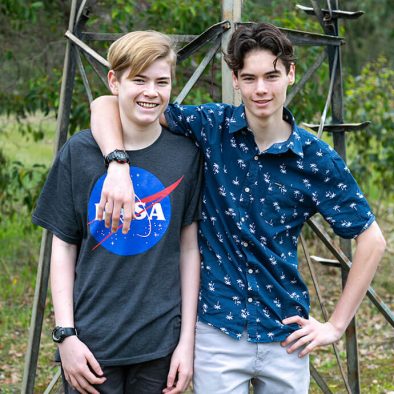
138, 81
163, 83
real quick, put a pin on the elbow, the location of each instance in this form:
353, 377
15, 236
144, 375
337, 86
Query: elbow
381, 244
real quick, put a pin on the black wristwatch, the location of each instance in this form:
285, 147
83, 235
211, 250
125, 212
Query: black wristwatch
59, 334
117, 155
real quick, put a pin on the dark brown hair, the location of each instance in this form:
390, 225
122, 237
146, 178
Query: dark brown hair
258, 36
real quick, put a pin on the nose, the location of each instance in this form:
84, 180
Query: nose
150, 90
261, 86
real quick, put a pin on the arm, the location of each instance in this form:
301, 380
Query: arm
118, 191
369, 251
181, 368
77, 360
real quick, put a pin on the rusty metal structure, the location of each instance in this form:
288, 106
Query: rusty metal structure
215, 38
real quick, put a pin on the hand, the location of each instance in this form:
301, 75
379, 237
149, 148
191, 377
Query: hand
312, 333
117, 194
78, 363
181, 370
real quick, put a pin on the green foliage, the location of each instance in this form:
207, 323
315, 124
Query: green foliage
370, 96
20, 187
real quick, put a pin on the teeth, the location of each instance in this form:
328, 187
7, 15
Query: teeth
148, 105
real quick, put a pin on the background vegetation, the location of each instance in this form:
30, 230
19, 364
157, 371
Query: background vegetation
32, 48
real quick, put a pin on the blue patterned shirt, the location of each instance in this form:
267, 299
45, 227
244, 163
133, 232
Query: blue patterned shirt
254, 206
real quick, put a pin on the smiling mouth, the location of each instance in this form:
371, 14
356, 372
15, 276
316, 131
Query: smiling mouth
262, 101
147, 105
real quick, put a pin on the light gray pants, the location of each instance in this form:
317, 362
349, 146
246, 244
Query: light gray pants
224, 365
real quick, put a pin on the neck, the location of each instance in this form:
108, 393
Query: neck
268, 131
137, 137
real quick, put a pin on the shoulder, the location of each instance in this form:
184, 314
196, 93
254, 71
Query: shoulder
83, 137
179, 142
313, 146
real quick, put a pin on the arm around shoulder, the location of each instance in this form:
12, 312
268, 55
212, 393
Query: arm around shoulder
105, 123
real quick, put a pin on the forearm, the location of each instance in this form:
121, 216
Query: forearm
369, 251
62, 281
190, 282
105, 123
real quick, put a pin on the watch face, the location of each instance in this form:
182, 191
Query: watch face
57, 334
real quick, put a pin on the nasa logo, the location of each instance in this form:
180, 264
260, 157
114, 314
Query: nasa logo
152, 210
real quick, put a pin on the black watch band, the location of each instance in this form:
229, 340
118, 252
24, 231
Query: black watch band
120, 156
59, 334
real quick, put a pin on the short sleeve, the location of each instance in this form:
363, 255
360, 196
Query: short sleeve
343, 204
193, 209
55, 207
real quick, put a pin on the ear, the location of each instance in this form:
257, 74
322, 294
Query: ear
113, 82
235, 81
291, 74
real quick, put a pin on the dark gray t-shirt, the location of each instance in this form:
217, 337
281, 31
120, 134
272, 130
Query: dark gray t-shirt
127, 287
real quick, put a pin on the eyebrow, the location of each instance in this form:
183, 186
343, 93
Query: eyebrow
268, 73
145, 76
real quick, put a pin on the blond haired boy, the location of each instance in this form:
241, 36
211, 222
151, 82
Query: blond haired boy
120, 324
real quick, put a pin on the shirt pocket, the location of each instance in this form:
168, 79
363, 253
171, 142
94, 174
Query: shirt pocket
284, 204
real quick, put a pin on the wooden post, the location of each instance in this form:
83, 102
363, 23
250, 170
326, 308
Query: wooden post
231, 11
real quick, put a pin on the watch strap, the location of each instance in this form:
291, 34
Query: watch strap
59, 334
120, 156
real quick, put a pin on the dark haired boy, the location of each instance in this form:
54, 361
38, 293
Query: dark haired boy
264, 177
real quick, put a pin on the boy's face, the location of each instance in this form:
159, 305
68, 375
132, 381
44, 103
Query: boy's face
263, 87
144, 97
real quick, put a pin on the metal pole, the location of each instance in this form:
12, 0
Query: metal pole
231, 11
340, 146
31, 358
37, 317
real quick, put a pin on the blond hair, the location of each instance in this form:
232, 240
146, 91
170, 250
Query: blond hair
138, 50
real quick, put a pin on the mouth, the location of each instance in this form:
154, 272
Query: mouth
144, 104
262, 102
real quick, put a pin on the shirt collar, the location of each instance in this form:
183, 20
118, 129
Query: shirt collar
294, 143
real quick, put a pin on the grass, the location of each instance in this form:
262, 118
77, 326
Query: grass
18, 265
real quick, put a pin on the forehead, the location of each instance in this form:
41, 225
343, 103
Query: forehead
160, 68
261, 61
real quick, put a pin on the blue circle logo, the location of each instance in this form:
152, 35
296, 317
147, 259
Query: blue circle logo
152, 210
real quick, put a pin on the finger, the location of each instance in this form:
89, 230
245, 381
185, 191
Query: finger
116, 210
94, 365
127, 216
172, 375
294, 336
182, 382
85, 387
75, 384
293, 319
108, 213
305, 340
308, 349
101, 206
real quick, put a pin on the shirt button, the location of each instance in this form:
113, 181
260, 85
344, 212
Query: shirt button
242, 219
250, 271
250, 299
247, 189
245, 244
256, 157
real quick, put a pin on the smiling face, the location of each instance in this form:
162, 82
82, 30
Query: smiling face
263, 86
143, 97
